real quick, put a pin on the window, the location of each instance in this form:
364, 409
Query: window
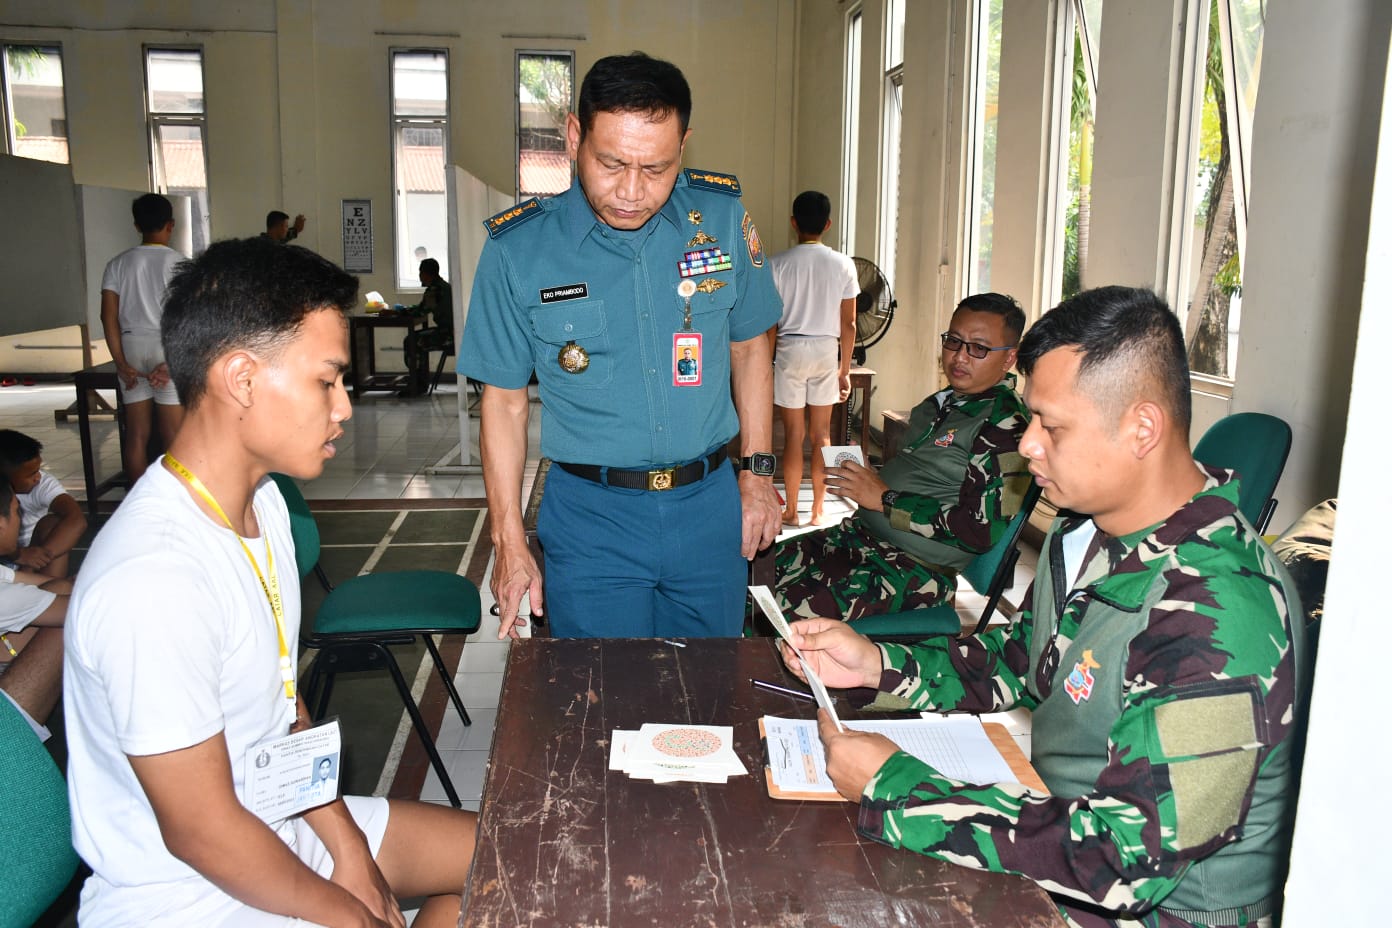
850, 132
1220, 178
1083, 24
36, 122
544, 82
420, 133
890, 127
178, 130
981, 165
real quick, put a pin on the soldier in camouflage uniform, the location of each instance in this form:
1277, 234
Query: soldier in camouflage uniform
946, 497
1156, 651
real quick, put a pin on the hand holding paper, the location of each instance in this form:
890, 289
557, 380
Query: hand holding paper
764, 597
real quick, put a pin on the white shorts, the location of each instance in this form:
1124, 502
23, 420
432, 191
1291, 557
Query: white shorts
20, 604
145, 353
369, 812
806, 371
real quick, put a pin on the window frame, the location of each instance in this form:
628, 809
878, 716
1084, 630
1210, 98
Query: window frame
517, 57
153, 121
853, 54
891, 143
395, 122
973, 165
10, 141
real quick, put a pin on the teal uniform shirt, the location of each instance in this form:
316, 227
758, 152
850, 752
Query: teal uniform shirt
551, 274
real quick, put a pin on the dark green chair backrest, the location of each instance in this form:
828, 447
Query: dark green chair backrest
1255, 445
302, 525
36, 829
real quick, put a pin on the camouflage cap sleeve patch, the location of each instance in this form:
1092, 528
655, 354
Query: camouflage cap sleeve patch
512, 216
710, 180
751, 240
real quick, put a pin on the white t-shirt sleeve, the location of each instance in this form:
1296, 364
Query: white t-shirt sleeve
851, 287
161, 655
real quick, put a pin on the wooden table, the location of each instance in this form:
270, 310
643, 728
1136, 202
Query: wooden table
564, 841
362, 351
861, 378
89, 380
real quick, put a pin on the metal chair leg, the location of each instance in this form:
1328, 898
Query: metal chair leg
419, 723
448, 681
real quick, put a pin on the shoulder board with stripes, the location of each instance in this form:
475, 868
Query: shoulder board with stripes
512, 217
711, 180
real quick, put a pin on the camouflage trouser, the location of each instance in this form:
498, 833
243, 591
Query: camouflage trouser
844, 572
417, 348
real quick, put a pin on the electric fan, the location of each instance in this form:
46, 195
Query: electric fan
874, 307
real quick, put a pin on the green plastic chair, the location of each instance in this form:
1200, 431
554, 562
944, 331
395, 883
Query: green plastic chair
362, 617
989, 573
36, 829
1255, 445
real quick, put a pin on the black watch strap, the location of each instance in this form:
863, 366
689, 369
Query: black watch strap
760, 463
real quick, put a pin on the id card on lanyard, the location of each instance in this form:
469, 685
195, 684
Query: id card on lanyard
293, 773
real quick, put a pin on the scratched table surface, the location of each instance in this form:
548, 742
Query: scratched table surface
564, 841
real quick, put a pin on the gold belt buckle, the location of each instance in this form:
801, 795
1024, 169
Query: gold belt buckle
661, 479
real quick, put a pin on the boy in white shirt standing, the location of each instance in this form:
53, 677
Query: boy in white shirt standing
812, 353
132, 302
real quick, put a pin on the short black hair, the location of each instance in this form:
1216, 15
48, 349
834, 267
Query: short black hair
151, 212
634, 83
811, 210
17, 449
431, 265
274, 218
1130, 342
7, 496
1001, 305
243, 293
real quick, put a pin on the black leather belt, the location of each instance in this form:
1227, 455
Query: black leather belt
666, 478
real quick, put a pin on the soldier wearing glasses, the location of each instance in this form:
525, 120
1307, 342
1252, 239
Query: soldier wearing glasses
946, 497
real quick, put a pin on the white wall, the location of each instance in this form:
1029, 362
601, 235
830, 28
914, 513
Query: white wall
1313, 154
1340, 858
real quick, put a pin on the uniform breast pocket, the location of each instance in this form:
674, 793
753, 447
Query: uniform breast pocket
710, 312
588, 362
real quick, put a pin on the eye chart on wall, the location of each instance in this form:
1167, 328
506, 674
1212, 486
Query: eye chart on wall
357, 236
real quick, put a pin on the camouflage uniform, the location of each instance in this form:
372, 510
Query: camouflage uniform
1163, 689
957, 495
437, 304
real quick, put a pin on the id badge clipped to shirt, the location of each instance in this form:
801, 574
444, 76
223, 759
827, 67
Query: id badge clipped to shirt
686, 359
290, 774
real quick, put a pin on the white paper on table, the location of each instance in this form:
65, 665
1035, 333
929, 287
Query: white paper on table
764, 597
955, 746
835, 455
704, 753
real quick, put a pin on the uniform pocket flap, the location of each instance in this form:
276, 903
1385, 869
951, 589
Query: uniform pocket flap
572, 322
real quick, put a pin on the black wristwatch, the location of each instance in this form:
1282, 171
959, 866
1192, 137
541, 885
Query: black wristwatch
887, 499
760, 462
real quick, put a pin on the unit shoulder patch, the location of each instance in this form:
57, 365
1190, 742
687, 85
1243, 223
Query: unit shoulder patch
711, 180
512, 217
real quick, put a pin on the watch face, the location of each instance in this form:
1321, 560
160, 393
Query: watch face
761, 463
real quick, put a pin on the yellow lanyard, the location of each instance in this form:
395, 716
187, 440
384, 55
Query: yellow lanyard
271, 589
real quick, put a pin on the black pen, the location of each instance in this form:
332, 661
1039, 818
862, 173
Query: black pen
775, 688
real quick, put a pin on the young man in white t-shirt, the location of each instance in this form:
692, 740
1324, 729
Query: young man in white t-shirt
812, 353
32, 608
179, 667
132, 300
51, 520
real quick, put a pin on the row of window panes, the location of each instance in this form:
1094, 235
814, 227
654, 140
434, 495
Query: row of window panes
1220, 165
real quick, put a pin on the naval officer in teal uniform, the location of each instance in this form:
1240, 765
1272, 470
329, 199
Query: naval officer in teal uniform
603, 291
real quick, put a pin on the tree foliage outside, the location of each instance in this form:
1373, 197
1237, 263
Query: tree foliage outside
986, 194
1219, 277
1078, 214
547, 80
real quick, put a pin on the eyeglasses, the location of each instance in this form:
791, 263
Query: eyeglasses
952, 344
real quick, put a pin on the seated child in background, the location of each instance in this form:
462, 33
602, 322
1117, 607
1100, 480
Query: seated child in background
52, 521
32, 610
